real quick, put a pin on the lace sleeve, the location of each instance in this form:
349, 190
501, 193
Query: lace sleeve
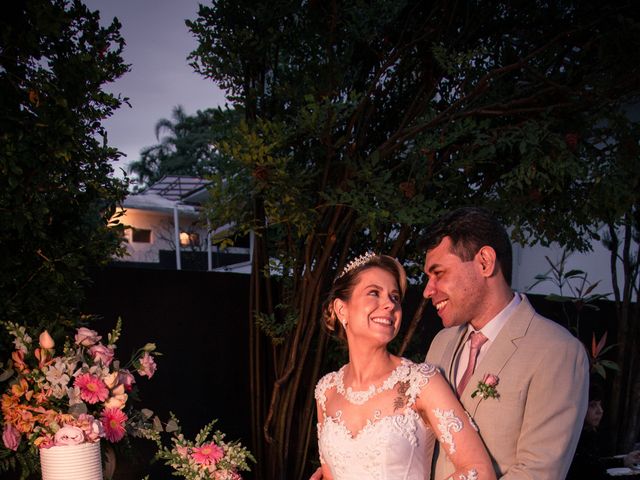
419, 375
322, 386
322, 462
452, 426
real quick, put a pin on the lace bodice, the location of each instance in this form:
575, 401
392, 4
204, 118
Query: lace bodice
375, 434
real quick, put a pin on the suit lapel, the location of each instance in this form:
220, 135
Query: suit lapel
504, 346
451, 353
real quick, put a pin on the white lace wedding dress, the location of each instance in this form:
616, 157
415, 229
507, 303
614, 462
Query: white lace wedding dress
375, 434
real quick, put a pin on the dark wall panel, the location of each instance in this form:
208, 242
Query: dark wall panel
199, 321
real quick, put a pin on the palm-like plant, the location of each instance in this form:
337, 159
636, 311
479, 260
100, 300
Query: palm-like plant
187, 145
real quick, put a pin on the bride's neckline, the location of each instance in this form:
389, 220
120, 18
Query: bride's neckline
360, 397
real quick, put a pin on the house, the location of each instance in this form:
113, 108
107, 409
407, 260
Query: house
168, 214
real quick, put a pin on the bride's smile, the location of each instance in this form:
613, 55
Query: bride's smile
373, 308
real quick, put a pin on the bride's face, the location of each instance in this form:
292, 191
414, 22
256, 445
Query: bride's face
373, 310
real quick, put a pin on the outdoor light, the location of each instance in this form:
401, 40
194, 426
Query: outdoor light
184, 239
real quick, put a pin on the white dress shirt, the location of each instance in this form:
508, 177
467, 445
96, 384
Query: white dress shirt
490, 330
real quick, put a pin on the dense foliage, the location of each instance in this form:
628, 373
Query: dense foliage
365, 120
57, 194
187, 146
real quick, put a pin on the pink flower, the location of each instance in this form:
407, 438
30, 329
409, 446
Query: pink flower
487, 387
118, 398
87, 337
46, 341
226, 475
113, 420
207, 454
46, 441
126, 378
102, 354
92, 389
111, 380
18, 361
491, 380
147, 366
10, 437
69, 435
91, 427
182, 451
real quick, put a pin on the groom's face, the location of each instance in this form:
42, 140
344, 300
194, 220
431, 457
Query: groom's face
455, 287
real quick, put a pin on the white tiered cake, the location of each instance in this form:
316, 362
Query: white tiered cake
71, 462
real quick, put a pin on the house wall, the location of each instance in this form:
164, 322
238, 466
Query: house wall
162, 234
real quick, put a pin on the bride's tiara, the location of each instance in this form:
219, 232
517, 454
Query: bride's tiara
357, 262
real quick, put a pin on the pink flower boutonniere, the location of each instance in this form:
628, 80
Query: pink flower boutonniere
487, 387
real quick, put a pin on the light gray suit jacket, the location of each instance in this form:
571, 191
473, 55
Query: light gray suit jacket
532, 429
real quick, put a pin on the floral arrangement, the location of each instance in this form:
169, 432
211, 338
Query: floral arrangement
203, 459
78, 396
487, 387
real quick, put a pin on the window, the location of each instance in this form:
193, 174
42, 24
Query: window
140, 235
189, 239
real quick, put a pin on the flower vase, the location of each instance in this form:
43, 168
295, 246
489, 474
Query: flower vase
71, 462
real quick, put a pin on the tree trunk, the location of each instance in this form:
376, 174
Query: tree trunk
625, 396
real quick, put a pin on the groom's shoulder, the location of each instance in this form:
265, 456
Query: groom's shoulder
447, 334
552, 332
541, 324
546, 326
440, 341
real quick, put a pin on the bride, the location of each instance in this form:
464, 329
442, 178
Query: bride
379, 415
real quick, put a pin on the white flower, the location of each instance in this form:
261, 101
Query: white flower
58, 391
74, 396
22, 340
56, 373
98, 370
71, 362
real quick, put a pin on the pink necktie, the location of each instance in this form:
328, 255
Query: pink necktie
476, 340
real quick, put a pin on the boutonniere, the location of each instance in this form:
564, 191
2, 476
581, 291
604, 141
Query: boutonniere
487, 387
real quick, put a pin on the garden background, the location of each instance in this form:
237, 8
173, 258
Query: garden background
349, 126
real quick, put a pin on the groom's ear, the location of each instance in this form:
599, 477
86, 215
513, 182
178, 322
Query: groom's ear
486, 258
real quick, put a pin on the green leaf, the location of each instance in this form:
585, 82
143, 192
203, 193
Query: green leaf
6, 375
172, 426
558, 298
611, 365
573, 273
599, 369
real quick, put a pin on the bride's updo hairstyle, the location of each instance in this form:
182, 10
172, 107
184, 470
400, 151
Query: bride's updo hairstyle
345, 282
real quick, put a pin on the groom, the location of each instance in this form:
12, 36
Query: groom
532, 424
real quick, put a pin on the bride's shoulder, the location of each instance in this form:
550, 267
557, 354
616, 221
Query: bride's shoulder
419, 372
329, 380
416, 376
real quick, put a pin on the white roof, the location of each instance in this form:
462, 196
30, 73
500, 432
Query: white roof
178, 187
156, 203
171, 191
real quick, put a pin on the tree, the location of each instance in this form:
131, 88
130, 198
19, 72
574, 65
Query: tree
57, 194
188, 146
364, 121
614, 201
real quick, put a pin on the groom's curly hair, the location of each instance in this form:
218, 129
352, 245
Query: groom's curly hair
470, 229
